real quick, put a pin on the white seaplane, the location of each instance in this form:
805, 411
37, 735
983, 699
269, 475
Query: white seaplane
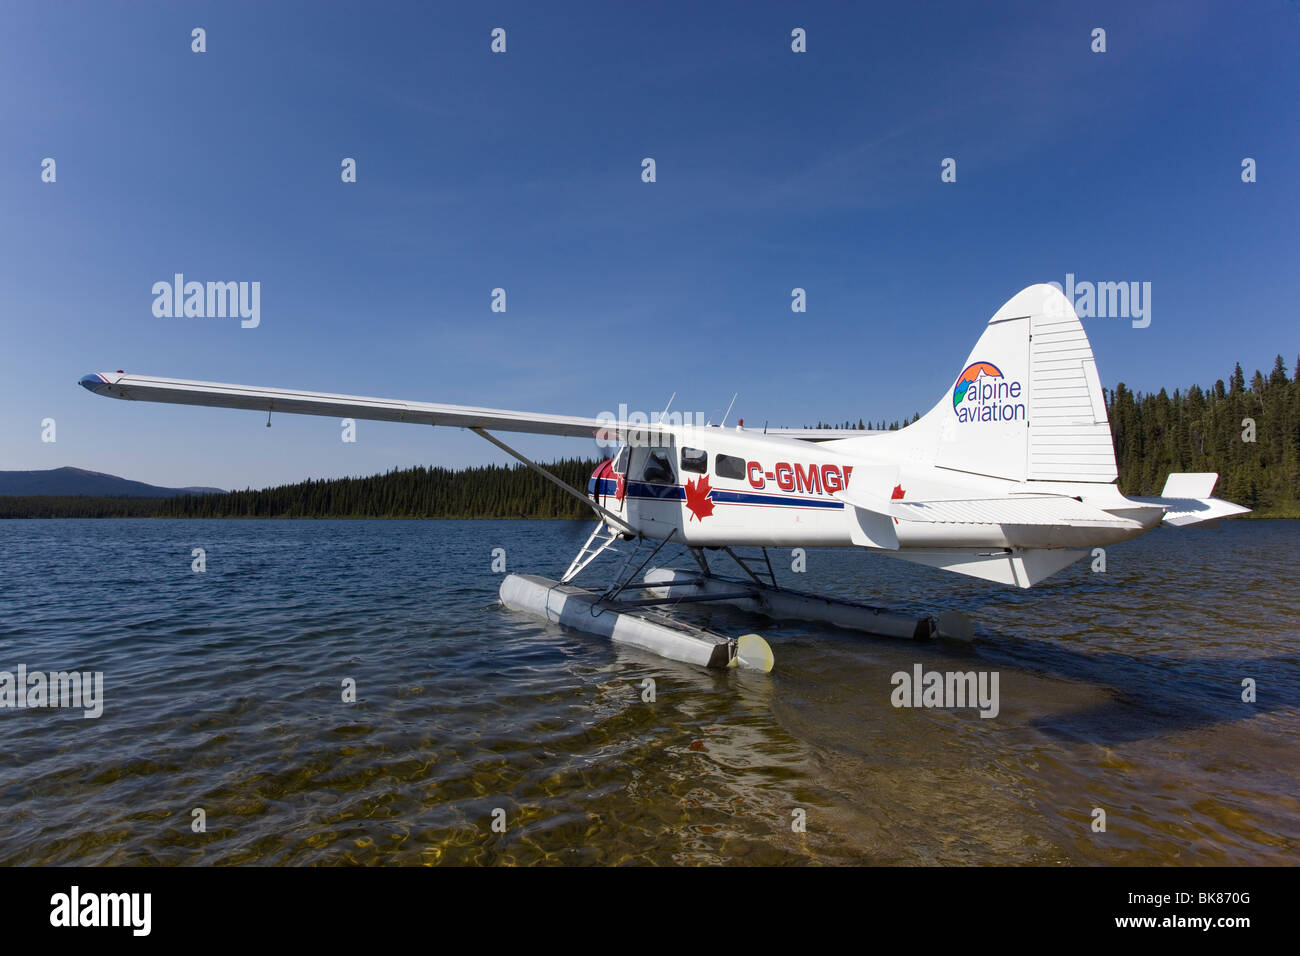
1009, 478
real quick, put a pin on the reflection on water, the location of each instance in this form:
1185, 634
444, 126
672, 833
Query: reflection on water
1119, 691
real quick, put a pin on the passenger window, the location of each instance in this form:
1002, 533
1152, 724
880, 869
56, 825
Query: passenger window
728, 466
658, 468
695, 460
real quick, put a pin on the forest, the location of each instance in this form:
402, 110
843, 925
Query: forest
1247, 431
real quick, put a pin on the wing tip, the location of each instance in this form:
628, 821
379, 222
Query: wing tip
94, 382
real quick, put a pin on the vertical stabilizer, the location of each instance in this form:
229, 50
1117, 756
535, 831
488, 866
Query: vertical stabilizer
1027, 403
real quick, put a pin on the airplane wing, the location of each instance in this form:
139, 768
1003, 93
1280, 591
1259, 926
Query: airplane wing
143, 388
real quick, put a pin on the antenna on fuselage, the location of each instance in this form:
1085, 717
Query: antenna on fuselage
724, 417
666, 407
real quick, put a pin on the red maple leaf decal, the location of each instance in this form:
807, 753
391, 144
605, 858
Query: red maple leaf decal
697, 497
898, 493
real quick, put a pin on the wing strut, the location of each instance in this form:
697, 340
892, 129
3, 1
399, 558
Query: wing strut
602, 511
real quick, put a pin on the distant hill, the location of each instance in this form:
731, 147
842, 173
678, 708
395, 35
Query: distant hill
488, 491
78, 481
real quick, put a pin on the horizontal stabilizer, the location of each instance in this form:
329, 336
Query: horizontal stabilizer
1181, 512
1186, 500
1024, 510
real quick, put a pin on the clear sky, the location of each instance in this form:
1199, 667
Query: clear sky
523, 170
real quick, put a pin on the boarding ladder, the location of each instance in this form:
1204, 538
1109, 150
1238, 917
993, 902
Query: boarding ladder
591, 550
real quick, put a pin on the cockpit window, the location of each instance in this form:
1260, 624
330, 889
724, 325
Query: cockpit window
620, 461
658, 468
695, 460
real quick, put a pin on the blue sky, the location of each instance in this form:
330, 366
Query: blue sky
522, 170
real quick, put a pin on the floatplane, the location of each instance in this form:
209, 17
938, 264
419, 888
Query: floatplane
1010, 478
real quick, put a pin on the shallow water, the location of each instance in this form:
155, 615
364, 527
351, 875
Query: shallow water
223, 691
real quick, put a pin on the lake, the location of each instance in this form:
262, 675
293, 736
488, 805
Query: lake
223, 703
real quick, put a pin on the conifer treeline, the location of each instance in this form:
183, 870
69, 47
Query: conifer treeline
76, 506
1206, 430
1201, 429
879, 426
490, 491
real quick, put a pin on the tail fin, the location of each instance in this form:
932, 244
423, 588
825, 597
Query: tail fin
1027, 404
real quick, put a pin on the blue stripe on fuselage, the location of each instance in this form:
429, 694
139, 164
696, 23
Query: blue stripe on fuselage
721, 497
644, 489
656, 492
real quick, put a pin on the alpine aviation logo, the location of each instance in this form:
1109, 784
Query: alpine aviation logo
983, 394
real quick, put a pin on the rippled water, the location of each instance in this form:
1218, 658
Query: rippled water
1119, 691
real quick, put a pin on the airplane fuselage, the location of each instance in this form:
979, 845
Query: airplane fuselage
715, 487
